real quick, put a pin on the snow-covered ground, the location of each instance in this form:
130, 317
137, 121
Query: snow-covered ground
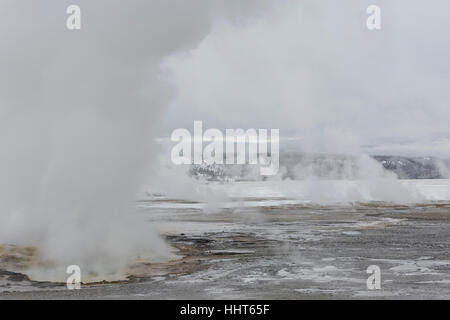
321, 192
290, 239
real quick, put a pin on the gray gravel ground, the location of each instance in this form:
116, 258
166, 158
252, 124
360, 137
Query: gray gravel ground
287, 252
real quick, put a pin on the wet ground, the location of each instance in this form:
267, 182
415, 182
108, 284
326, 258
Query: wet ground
281, 250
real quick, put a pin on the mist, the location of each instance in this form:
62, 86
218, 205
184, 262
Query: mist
79, 111
314, 70
332, 87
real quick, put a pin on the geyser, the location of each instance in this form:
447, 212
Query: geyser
78, 112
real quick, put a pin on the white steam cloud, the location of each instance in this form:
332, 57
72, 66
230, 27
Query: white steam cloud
314, 70
78, 113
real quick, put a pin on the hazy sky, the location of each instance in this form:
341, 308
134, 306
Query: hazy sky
313, 69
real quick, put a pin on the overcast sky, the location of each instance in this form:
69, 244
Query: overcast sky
313, 69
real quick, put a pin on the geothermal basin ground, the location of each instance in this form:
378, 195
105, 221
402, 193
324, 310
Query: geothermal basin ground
280, 248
